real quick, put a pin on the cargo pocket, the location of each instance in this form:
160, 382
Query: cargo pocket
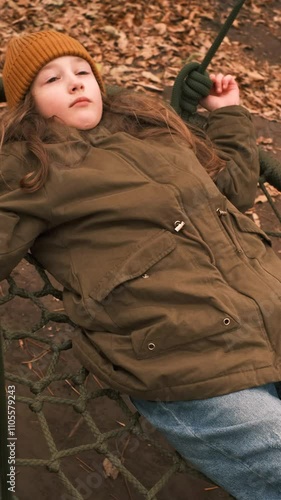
194, 335
156, 308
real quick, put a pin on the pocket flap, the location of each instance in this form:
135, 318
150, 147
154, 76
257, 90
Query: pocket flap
142, 257
247, 225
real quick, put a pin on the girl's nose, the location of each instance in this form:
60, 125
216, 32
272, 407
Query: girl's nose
75, 86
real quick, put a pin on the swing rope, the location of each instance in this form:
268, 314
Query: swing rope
270, 169
193, 82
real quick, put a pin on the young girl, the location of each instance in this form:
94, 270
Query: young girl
176, 291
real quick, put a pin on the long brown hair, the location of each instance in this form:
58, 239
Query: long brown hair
138, 114
144, 115
24, 123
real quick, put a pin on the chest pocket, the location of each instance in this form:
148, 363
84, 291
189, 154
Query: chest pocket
255, 243
253, 240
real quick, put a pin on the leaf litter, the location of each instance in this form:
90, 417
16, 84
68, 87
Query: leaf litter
143, 45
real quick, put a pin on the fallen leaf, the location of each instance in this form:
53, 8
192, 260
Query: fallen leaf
109, 469
261, 198
255, 75
256, 219
123, 42
151, 76
161, 28
264, 140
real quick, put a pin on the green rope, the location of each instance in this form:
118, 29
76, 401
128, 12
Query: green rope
218, 40
193, 83
189, 88
197, 84
271, 202
270, 169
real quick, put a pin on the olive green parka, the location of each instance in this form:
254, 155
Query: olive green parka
178, 293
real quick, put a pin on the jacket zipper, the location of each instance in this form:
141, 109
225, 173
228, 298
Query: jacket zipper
229, 230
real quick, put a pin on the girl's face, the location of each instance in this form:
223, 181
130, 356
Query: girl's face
67, 90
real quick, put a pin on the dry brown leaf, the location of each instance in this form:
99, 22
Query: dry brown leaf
256, 219
123, 42
161, 28
272, 190
255, 75
112, 30
151, 76
264, 140
150, 87
261, 198
146, 53
109, 469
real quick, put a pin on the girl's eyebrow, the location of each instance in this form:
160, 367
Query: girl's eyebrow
50, 65
53, 64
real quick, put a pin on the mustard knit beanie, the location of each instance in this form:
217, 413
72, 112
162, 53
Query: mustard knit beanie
27, 54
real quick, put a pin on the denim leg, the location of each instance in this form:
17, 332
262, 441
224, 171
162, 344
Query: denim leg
235, 439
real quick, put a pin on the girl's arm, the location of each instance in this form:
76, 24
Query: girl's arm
232, 132
22, 216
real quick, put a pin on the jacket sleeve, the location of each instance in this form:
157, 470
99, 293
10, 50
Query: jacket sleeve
232, 132
23, 216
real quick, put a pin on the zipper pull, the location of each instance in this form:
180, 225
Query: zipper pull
179, 225
221, 212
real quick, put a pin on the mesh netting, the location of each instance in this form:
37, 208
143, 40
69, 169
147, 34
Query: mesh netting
71, 408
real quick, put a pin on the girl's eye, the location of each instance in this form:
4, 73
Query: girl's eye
83, 72
52, 79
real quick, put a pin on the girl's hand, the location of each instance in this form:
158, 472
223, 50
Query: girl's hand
225, 92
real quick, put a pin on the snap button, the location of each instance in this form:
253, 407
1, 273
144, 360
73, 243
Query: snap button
151, 346
226, 321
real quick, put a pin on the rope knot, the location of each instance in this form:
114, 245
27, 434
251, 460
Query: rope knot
194, 87
189, 88
36, 406
54, 466
80, 406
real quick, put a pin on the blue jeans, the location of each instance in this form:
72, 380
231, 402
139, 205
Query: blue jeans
235, 440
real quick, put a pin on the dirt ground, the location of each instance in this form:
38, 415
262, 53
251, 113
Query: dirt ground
85, 469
